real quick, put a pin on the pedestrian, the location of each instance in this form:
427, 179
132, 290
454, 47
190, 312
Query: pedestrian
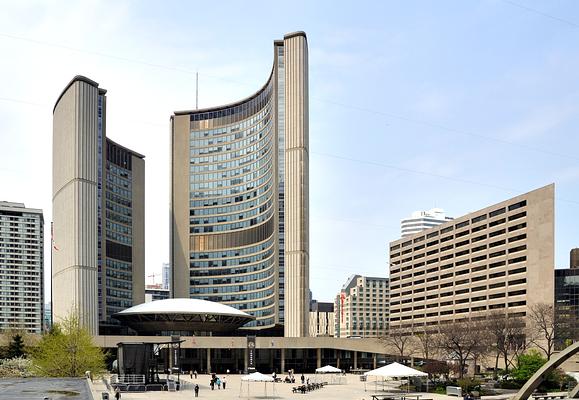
303, 379
191, 374
196, 390
218, 383
195, 373
212, 384
117, 394
224, 382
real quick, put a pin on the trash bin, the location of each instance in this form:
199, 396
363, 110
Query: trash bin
105, 396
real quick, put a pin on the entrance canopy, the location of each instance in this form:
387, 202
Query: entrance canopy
328, 369
257, 377
395, 370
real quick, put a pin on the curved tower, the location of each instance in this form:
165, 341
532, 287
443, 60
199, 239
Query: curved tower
240, 198
98, 204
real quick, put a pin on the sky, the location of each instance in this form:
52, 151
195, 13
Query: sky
413, 105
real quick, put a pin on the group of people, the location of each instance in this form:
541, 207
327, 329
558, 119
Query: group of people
215, 380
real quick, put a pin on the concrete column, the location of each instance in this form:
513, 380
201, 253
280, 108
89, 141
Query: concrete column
412, 362
337, 358
355, 359
208, 360
319, 358
271, 359
282, 361
374, 360
245, 360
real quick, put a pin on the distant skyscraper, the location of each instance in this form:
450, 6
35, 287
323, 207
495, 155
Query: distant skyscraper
21, 267
362, 307
240, 218
574, 259
321, 319
166, 275
421, 220
98, 213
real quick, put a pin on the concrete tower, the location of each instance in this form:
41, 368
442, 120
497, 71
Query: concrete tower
240, 198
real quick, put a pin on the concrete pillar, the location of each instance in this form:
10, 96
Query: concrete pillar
319, 358
282, 361
412, 362
271, 367
337, 358
374, 360
208, 360
245, 360
355, 359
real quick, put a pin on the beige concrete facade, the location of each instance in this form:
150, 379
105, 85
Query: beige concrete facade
98, 213
500, 258
361, 308
239, 198
321, 324
74, 204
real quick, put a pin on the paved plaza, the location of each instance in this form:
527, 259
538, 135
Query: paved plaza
353, 389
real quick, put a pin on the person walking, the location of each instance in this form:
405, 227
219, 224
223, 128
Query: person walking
196, 390
117, 394
218, 383
195, 373
212, 384
190, 374
224, 382
303, 379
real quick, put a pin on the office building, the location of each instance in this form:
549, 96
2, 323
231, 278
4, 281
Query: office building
21, 267
240, 219
98, 213
566, 306
499, 258
156, 292
574, 258
166, 276
421, 220
321, 319
362, 308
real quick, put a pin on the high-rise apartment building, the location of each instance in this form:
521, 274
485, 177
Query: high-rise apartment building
500, 258
361, 308
421, 220
98, 253
156, 292
240, 217
166, 276
21, 267
321, 319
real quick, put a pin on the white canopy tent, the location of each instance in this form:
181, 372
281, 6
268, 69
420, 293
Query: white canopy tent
257, 377
335, 377
394, 370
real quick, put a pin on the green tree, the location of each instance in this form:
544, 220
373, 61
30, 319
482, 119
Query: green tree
67, 351
16, 348
527, 365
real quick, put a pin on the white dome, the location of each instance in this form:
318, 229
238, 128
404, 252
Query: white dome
184, 306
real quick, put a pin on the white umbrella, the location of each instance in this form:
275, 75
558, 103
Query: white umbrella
328, 369
256, 377
395, 370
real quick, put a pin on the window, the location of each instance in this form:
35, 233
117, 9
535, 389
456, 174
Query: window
497, 222
433, 234
447, 229
479, 218
497, 212
462, 224
517, 216
517, 205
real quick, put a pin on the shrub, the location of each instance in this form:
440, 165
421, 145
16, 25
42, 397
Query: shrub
18, 367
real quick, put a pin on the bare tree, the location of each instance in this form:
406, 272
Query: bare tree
542, 327
463, 341
506, 337
402, 340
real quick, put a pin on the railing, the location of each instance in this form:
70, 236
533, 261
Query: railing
128, 379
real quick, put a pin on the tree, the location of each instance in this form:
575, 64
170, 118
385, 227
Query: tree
16, 347
507, 336
542, 327
527, 365
67, 351
463, 341
401, 340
